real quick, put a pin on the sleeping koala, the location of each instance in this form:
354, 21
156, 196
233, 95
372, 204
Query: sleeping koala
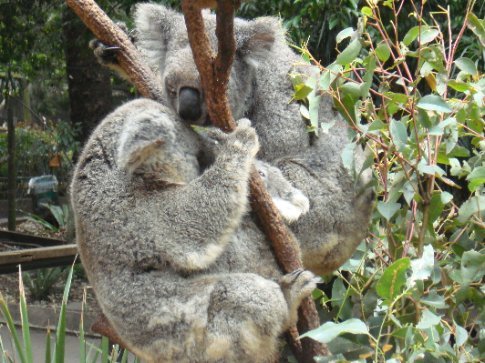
260, 89
179, 269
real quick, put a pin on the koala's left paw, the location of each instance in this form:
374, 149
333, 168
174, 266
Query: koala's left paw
105, 54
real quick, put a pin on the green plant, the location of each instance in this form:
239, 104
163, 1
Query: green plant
62, 215
415, 291
40, 282
54, 351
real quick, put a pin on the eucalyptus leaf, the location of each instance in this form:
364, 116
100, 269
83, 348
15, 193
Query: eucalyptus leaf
393, 279
472, 266
349, 53
474, 205
329, 331
346, 33
388, 209
428, 320
422, 267
399, 134
466, 65
433, 103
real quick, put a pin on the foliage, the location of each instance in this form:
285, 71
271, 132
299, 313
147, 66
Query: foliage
40, 282
36, 147
416, 99
55, 348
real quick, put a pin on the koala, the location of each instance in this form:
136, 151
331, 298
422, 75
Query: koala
260, 90
179, 268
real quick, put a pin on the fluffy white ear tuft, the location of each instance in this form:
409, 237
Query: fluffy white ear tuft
155, 26
256, 38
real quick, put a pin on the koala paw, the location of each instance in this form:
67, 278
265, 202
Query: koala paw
297, 285
105, 54
244, 138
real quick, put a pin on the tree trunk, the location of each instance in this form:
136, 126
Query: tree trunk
12, 166
89, 83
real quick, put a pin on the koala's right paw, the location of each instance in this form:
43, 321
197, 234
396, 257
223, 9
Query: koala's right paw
244, 138
297, 285
104, 54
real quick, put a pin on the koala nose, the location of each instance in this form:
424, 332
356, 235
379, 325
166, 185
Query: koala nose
190, 104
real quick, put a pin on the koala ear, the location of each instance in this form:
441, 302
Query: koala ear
142, 137
132, 155
155, 25
256, 38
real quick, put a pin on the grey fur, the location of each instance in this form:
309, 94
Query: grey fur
179, 269
260, 89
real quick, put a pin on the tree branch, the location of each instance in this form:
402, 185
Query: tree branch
214, 73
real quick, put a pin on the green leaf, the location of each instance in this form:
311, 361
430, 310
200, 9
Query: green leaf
461, 335
383, 52
433, 103
301, 91
435, 208
434, 300
422, 267
428, 319
388, 209
346, 33
476, 178
313, 103
428, 35
329, 75
367, 11
472, 266
330, 330
459, 86
348, 159
472, 206
399, 134
61, 325
349, 53
477, 26
466, 65
425, 168
393, 279
411, 35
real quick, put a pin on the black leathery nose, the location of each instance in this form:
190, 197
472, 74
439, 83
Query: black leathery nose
190, 104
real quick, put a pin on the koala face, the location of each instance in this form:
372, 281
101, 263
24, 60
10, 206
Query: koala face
162, 38
290, 201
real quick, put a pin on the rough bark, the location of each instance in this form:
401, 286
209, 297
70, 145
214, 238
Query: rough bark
12, 166
215, 86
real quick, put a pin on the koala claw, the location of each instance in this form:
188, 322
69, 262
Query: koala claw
104, 54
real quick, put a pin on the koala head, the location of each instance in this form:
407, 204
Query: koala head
162, 38
153, 146
291, 202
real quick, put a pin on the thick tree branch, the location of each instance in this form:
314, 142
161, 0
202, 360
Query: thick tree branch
128, 57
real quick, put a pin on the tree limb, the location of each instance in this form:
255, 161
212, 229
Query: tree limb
214, 72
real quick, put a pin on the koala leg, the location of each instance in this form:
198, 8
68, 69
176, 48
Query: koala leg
209, 318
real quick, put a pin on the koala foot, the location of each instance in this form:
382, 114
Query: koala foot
105, 54
296, 286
